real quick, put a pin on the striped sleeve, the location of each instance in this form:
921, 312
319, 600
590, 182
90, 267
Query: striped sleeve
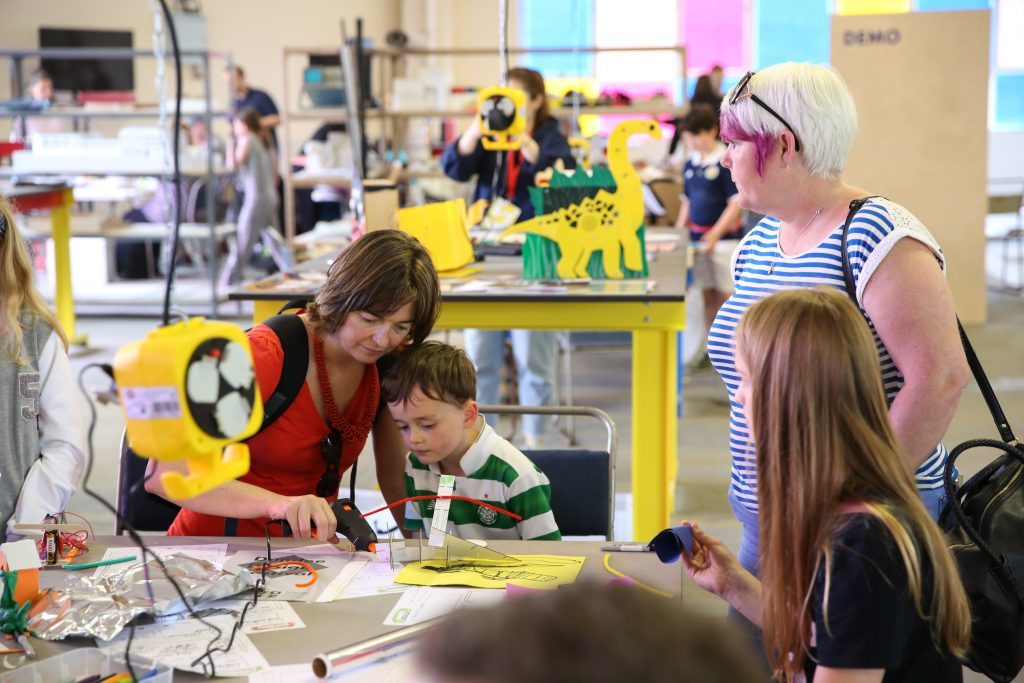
530, 498
874, 231
414, 509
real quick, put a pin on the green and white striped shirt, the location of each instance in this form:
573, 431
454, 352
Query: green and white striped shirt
497, 473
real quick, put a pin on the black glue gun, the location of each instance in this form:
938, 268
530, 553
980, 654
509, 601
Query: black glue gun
352, 526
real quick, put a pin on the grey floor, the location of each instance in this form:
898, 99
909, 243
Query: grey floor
602, 379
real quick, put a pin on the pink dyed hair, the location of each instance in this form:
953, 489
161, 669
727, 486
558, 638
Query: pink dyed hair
764, 143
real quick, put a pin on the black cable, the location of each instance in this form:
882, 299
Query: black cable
177, 164
260, 584
352, 481
133, 533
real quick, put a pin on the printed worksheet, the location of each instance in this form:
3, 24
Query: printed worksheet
180, 643
424, 603
297, 574
267, 615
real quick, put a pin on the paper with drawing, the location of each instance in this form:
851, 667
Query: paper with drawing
180, 643
532, 571
285, 582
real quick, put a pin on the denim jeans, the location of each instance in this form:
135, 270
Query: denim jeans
934, 500
534, 352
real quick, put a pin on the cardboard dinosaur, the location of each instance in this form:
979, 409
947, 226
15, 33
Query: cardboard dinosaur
607, 222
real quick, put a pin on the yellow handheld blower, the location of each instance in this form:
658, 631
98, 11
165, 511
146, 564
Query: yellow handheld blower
189, 392
502, 113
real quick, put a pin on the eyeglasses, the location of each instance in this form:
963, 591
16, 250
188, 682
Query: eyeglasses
330, 451
742, 89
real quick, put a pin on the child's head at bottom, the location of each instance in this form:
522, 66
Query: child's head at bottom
431, 394
585, 632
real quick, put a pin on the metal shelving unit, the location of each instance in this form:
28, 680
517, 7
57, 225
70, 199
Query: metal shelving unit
392, 64
146, 112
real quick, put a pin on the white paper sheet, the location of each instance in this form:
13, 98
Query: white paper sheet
338, 584
212, 552
291, 673
374, 578
421, 603
325, 558
267, 615
179, 643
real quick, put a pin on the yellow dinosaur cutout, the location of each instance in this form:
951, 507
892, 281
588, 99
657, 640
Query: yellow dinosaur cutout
607, 222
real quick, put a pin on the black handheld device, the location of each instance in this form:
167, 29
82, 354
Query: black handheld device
352, 526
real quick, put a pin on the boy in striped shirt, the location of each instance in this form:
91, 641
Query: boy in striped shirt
431, 393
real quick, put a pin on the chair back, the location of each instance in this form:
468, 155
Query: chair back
135, 505
580, 489
582, 481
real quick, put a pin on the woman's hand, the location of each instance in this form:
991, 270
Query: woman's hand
707, 243
528, 147
304, 512
467, 141
712, 566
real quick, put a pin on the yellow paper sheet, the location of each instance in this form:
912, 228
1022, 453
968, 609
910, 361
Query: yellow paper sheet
531, 571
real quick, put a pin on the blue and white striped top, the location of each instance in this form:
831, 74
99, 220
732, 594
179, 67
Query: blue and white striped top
761, 269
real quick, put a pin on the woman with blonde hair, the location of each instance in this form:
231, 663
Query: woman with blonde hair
856, 581
41, 455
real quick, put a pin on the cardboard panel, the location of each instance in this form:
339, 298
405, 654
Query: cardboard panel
920, 82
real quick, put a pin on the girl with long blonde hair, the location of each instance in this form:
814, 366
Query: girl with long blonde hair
856, 581
41, 455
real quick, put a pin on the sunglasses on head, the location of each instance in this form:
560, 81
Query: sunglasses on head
330, 451
743, 90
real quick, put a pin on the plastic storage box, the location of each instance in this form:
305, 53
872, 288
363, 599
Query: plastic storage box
78, 664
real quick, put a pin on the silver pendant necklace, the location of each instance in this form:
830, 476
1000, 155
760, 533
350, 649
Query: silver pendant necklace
771, 266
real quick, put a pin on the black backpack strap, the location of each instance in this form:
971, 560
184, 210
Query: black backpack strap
293, 304
291, 331
851, 284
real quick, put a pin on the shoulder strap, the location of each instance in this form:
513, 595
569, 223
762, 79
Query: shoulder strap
291, 331
851, 285
294, 304
998, 416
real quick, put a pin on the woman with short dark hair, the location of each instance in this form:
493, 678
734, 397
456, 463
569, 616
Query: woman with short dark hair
382, 295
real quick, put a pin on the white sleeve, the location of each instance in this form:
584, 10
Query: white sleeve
53, 478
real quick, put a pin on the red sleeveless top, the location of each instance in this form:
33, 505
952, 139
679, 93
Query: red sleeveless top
285, 458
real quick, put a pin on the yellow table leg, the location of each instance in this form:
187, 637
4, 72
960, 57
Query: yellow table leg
60, 219
263, 309
654, 431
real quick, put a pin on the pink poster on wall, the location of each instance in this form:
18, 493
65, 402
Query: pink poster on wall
714, 32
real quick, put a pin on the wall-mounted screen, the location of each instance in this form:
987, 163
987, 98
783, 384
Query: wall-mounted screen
80, 75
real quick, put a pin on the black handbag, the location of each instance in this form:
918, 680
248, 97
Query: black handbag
984, 525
